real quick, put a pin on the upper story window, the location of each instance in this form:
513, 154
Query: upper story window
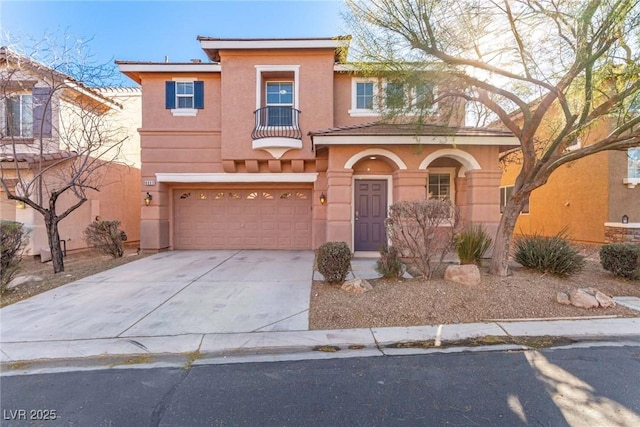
280, 100
364, 97
394, 95
633, 170
184, 96
19, 116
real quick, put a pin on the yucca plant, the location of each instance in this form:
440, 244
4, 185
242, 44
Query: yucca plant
553, 254
472, 243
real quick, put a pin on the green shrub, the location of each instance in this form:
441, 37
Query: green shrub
472, 243
548, 254
622, 259
334, 261
12, 241
106, 237
389, 265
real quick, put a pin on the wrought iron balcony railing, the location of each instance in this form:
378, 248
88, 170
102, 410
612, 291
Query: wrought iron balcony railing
277, 122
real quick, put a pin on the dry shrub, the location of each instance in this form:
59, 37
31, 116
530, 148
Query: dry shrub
422, 231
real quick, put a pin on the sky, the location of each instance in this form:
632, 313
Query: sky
151, 30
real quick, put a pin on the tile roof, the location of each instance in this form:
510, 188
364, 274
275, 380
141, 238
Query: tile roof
408, 129
31, 158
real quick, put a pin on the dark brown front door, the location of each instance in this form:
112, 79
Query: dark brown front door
370, 213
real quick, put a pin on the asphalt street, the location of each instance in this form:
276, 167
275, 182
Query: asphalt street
555, 387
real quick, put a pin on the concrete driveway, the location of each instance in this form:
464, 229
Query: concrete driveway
172, 293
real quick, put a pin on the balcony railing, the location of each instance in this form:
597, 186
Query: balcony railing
277, 122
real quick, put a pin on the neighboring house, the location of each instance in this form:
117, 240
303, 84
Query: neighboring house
35, 127
278, 144
596, 199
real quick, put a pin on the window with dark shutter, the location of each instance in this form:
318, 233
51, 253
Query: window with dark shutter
42, 112
170, 95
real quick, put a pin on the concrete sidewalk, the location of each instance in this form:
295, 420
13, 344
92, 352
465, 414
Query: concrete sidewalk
229, 348
169, 322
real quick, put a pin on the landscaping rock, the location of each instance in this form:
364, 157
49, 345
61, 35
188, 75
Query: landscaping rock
356, 286
585, 298
605, 301
563, 298
467, 274
21, 280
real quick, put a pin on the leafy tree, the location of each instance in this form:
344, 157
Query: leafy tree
549, 71
72, 139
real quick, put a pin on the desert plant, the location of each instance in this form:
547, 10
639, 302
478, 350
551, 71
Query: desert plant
472, 243
554, 254
13, 238
333, 261
422, 231
106, 237
389, 265
622, 259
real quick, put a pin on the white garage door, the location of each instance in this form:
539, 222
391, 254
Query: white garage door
242, 219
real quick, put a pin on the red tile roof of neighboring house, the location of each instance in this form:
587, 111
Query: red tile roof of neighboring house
32, 158
408, 129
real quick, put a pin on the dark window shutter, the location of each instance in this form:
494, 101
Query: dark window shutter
41, 112
198, 94
170, 95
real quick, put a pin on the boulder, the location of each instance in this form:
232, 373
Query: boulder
586, 298
604, 300
582, 298
356, 286
21, 280
466, 274
563, 298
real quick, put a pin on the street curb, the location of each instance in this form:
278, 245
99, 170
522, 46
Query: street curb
198, 349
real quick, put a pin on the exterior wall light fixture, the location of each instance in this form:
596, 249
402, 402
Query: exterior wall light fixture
148, 199
625, 219
323, 198
20, 204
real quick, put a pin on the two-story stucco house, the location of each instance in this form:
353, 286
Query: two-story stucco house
41, 133
279, 144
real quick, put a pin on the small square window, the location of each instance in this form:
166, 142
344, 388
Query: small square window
184, 94
364, 95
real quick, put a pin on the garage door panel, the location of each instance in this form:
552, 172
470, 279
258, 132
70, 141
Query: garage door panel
242, 219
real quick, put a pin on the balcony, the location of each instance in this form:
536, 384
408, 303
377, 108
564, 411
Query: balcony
277, 130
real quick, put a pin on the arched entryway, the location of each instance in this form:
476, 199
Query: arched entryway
372, 194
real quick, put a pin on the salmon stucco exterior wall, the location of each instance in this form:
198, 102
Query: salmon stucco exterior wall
278, 144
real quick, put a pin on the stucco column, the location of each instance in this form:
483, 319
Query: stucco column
155, 234
483, 198
461, 198
339, 195
409, 185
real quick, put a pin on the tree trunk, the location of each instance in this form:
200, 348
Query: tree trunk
502, 243
54, 244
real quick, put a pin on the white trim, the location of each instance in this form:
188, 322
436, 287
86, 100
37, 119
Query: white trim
375, 152
185, 79
413, 139
389, 179
276, 146
184, 112
363, 112
266, 68
631, 182
236, 177
621, 225
169, 68
468, 161
273, 44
